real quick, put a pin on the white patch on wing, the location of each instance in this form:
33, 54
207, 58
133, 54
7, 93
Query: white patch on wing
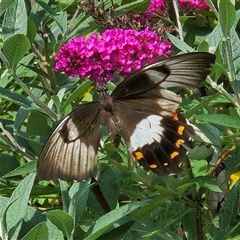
73, 132
146, 132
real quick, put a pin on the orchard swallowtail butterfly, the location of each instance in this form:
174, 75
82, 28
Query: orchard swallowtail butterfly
141, 109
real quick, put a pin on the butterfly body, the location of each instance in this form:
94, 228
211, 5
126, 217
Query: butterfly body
141, 109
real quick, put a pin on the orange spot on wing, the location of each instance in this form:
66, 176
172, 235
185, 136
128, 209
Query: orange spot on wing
181, 129
175, 116
153, 166
138, 155
174, 154
179, 142
165, 164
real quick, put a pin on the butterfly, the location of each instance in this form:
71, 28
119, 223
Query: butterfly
142, 109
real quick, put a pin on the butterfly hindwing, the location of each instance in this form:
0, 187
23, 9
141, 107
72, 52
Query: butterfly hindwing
71, 150
147, 111
166, 156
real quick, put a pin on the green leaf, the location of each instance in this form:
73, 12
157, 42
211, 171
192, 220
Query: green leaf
107, 220
8, 162
208, 182
220, 119
79, 196
4, 5
62, 220
37, 126
22, 170
137, 6
200, 167
32, 218
201, 105
52, 13
15, 98
65, 195
215, 37
150, 206
229, 213
188, 226
235, 53
210, 135
14, 48
3, 223
79, 93
108, 183
117, 233
39, 232
17, 210
22, 114
31, 30
179, 44
182, 188
200, 152
227, 15
22, 70
15, 20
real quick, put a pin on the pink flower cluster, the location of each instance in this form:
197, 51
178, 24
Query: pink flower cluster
158, 6
116, 50
193, 4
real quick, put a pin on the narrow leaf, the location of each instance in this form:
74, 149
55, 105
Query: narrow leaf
62, 220
21, 194
188, 226
22, 170
117, 233
179, 44
64, 194
229, 213
15, 98
220, 119
107, 220
39, 232
227, 15
52, 13
3, 223
79, 196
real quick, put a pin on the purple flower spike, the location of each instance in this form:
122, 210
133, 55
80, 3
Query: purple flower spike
116, 50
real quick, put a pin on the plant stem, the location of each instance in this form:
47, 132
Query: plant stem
220, 89
179, 25
48, 64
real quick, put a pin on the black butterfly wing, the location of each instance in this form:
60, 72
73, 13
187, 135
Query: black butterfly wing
146, 110
156, 141
71, 150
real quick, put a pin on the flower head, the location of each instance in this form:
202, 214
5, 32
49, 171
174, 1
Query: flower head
193, 4
160, 6
116, 50
157, 6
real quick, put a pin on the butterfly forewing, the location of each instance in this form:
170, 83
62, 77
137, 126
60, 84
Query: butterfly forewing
186, 70
71, 150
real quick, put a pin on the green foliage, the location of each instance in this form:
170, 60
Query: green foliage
126, 202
